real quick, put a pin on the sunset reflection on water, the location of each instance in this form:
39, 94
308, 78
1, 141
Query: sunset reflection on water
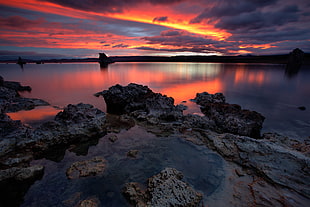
62, 84
259, 87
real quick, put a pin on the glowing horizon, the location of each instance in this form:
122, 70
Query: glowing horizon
146, 27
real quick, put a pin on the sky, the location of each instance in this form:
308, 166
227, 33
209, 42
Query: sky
45, 29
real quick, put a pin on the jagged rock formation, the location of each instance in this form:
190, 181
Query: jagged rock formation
230, 117
11, 101
104, 60
141, 102
163, 190
20, 144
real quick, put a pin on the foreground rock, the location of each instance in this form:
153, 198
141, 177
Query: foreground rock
20, 144
163, 190
11, 101
278, 164
141, 102
15, 182
230, 117
86, 168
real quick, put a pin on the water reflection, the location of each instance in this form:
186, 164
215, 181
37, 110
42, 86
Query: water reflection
260, 87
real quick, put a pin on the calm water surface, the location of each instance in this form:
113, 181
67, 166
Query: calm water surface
260, 87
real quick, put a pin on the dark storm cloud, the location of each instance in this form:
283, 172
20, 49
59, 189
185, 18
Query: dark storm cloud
178, 39
112, 6
222, 8
13, 55
258, 19
160, 19
18, 22
120, 46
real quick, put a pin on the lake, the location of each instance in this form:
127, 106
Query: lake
261, 87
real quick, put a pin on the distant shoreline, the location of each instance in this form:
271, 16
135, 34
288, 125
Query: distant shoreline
273, 59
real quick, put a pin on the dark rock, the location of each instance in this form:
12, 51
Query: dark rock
277, 163
302, 108
294, 63
230, 117
19, 104
113, 138
86, 168
11, 101
14, 183
132, 153
164, 189
141, 100
76, 123
90, 202
1, 81
16, 86
104, 60
206, 98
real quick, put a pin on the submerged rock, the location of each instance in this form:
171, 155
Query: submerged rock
164, 190
86, 168
141, 101
230, 117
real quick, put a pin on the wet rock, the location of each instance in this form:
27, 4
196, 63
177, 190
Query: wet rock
230, 117
276, 163
141, 100
206, 98
11, 101
132, 153
113, 138
91, 202
86, 168
76, 123
14, 183
164, 189
16, 86
25, 104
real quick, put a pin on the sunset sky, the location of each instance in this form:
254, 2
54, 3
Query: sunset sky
82, 28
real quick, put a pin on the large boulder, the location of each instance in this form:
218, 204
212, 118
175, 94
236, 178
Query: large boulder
164, 190
140, 101
230, 117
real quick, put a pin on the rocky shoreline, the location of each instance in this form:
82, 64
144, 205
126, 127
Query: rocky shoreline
268, 169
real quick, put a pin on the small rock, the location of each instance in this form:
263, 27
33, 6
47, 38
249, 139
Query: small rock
86, 168
302, 108
91, 202
132, 153
113, 138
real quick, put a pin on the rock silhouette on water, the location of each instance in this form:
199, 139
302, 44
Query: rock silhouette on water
294, 63
104, 60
